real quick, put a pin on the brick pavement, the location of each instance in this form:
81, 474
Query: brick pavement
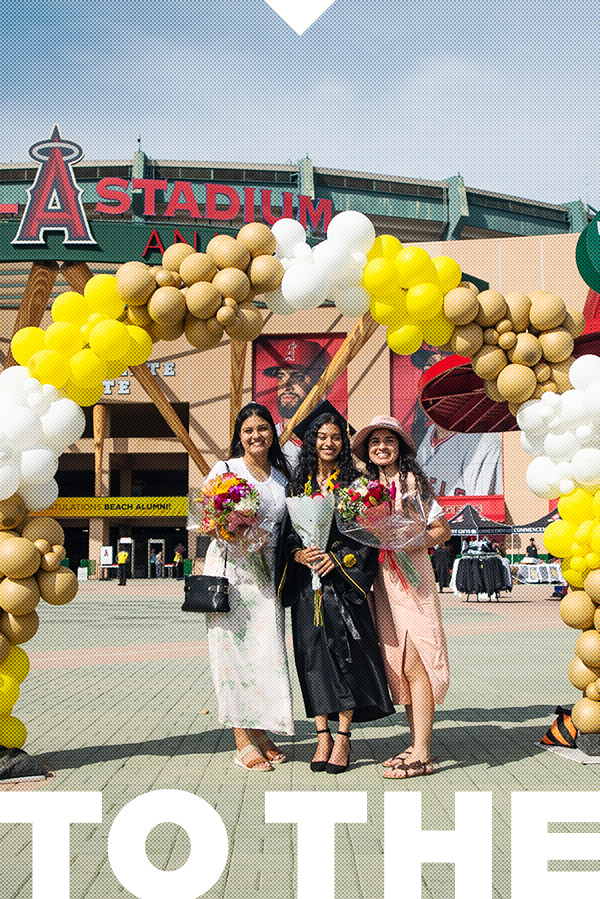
120, 700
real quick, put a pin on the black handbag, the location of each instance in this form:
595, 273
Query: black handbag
206, 593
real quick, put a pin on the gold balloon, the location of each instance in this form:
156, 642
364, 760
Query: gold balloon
19, 596
57, 587
13, 511
526, 351
166, 330
574, 322
44, 529
135, 283
228, 252
490, 336
265, 273
246, 325
466, 340
175, 254
560, 374
588, 648
586, 716
489, 362
203, 299
580, 675
507, 340
591, 585
577, 610
138, 315
492, 308
226, 314
461, 306
42, 545
491, 389
231, 282
199, 335
518, 305
18, 557
516, 383
165, 278
19, 628
557, 345
592, 692
542, 372
167, 305
197, 267
504, 326
547, 311
258, 239
50, 561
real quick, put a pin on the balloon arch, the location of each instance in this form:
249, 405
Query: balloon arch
520, 345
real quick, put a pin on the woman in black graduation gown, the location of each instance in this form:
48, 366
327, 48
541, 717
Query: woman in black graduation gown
338, 661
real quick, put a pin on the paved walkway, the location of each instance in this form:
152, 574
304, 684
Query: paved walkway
119, 699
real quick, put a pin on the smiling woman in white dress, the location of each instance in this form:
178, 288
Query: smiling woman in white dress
247, 644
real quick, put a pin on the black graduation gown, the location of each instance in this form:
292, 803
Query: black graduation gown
339, 663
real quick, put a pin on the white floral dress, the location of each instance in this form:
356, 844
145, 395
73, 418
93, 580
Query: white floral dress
247, 644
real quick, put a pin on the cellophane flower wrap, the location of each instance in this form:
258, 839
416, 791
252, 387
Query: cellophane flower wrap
378, 516
311, 518
227, 509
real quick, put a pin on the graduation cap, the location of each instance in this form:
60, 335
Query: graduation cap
320, 409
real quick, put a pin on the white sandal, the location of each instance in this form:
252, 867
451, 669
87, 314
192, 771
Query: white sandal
240, 755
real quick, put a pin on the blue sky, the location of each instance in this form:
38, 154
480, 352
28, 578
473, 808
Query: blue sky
505, 94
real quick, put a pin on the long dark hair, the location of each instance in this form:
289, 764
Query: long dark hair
407, 463
275, 455
308, 461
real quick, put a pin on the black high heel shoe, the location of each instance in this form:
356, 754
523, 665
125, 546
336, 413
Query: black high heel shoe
320, 765
331, 768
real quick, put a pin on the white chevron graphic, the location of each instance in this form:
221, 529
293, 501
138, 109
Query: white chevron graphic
300, 14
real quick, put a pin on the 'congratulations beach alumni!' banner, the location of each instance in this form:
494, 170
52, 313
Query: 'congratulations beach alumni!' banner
125, 506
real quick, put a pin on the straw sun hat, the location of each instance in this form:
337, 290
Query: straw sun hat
360, 444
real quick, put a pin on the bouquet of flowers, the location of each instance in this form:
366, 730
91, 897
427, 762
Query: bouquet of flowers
311, 518
375, 515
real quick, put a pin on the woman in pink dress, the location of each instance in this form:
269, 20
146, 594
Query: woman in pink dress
407, 618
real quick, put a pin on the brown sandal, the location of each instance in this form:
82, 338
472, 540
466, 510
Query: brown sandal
410, 769
396, 759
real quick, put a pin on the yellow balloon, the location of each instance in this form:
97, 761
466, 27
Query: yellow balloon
93, 319
592, 560
596, 504
71, 307
117, 367
16, 663
87, 368
438, 331
578, 563
424, 302
584, 531
13, 732
448, 271
64, 337
9, 693
386, 245
26, 342
576, 506
559, 537
110, 339
141, 345
391, 310
594, 538
101, 295
49, 367
406, 339
414, 265
379, 277
84, 396
572, 577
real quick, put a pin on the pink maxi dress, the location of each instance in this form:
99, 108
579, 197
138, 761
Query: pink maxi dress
398, 611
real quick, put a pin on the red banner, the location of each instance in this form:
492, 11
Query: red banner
488, 506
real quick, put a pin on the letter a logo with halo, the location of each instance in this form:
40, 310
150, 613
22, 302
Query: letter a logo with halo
300, 16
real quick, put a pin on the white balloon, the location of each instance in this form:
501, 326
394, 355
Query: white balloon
38, 403
13, 377
585, 465
360, 259
303, 286
352, 229
63, 424
50, 392
534, 445
591, 399
352, 301
533, 417
38, 497
11, 398
32, 385
564, 469
38, 465
302, 253
566, 486
543, 478
333, 260
277, 303
288, 233
573, 412
561, 446
9, 480
552, 400
585, 434
23, 428
584, 370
